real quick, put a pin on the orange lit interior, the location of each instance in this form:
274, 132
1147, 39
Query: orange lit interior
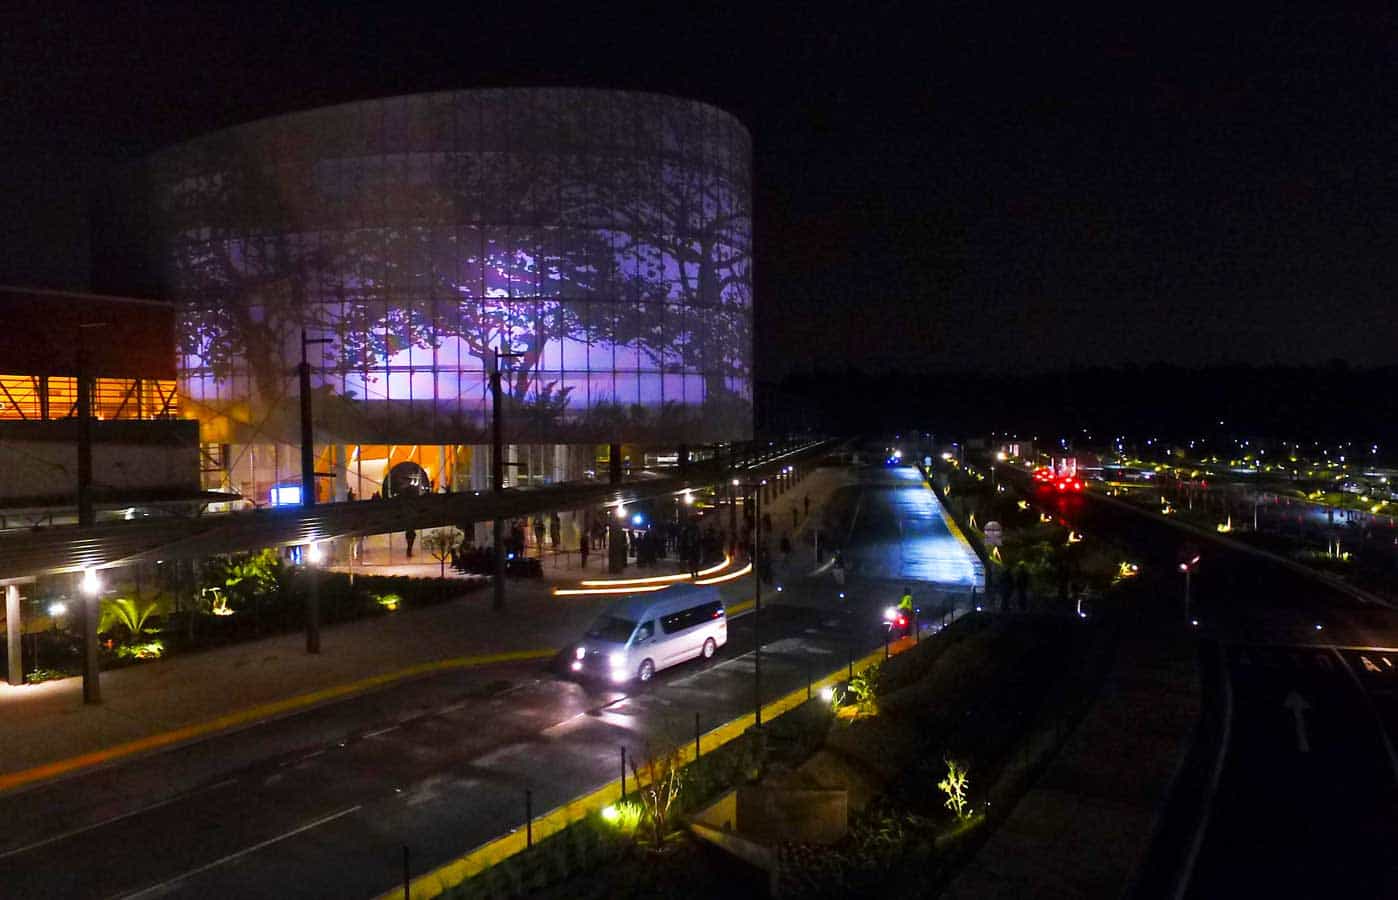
48, 397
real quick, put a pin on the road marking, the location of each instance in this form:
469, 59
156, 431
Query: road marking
173, 882
369, 734
255, 715
1215, 776
1298, 706
1373, 711
126, 815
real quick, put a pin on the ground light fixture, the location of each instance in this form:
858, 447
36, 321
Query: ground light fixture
827, 694
656, 579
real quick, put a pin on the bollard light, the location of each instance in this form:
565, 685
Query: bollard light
827, 693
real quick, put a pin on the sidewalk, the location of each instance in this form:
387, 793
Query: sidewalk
149, 706
1085, 828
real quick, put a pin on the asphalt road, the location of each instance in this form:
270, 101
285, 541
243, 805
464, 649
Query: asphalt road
321, 803
1305, 803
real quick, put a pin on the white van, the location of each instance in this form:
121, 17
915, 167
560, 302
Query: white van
643, 633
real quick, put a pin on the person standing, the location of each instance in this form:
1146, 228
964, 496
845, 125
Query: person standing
584, 549
555, 530
411, 537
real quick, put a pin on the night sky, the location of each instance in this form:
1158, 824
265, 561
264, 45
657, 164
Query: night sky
936, 188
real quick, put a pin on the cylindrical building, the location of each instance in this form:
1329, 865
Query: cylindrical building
603, 236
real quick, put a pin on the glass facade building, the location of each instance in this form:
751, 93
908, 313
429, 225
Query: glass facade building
604, 237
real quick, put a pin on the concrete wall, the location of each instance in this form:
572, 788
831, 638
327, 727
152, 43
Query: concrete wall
150, 459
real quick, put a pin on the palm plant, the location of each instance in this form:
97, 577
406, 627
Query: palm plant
124, 612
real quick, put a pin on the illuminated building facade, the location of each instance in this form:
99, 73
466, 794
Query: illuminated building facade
603, 236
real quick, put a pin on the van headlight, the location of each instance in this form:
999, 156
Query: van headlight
580, 653
618, 660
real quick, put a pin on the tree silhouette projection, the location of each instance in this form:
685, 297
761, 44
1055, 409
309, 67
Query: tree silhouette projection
555, 245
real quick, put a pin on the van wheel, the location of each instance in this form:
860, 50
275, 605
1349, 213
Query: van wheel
646, 672
710, 648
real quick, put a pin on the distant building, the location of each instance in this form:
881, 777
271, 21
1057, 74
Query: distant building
144, 455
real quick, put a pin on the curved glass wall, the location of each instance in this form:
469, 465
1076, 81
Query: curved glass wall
604, 237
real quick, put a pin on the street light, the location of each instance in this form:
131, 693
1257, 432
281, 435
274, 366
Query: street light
1187, 567
91, 589
756, 488
497, 467
314, 556
308, 456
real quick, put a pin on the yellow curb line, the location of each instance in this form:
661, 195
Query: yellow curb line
254, 713
449, 875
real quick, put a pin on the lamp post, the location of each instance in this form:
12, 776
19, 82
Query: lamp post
313, 557
91, 589
1187, 567
756, 488
497, 468
308, 454
86, 513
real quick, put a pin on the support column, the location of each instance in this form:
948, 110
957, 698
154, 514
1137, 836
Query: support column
14, 630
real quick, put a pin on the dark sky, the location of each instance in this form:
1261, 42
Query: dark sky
936, 186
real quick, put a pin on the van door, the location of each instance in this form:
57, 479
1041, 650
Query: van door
673, 637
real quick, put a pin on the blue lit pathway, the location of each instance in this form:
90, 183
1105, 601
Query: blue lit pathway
903, 534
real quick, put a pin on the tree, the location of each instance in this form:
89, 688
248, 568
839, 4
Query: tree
440, 543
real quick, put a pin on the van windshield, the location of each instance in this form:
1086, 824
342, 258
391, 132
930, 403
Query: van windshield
611, 629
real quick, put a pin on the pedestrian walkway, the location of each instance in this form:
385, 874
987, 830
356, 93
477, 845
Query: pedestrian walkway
47, 731
1084, 829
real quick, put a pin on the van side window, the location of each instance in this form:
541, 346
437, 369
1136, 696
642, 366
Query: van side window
644, 631
688, 618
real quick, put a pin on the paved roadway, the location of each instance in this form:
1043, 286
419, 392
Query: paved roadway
1306, 803
321, 803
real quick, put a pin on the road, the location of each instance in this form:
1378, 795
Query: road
1299, 795
321, 803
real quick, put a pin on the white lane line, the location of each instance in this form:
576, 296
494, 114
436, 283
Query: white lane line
173, 882
126, 815
1196, 842
1373, 711
369, 734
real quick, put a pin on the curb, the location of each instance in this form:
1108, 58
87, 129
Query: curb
250, 716
473, 862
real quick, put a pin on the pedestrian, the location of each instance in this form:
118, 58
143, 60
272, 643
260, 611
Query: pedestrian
539, 534
583, 550
785, 547
555, 530
411, 537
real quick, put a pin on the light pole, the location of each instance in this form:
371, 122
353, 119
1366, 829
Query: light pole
86, 513
308, 453
313, 557
1187, 567
91, 589
497, 468
756, 488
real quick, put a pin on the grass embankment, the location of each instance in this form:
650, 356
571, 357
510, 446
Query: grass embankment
998, 695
